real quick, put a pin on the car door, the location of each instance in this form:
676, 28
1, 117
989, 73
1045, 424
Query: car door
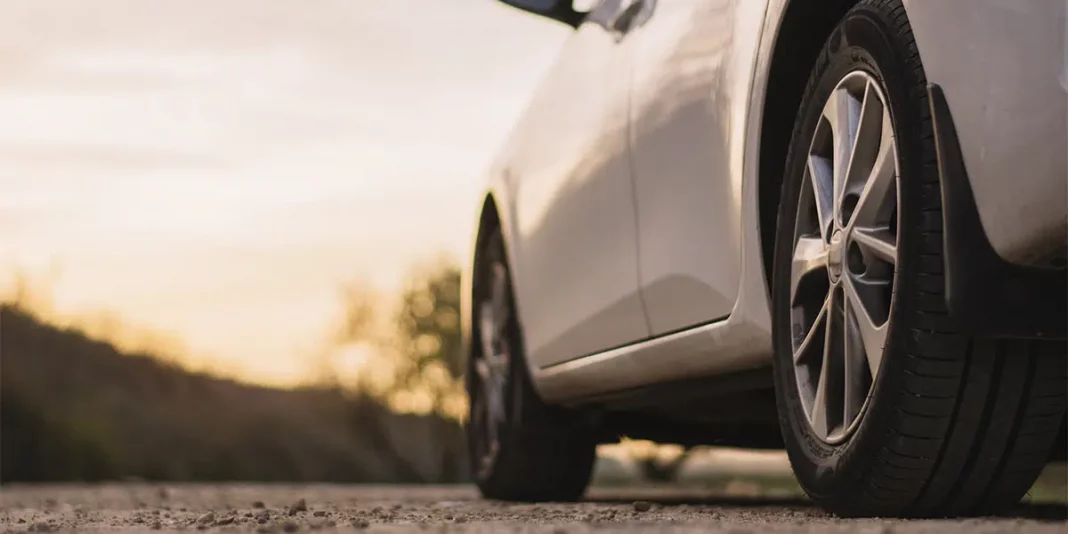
693, 61
576, 252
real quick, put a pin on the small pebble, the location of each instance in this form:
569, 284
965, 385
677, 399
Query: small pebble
299, 506
320, 513
289, 526
258, 504
642, 506
360, 524
225, 521
206, 518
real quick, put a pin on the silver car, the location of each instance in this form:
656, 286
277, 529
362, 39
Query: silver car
836, 227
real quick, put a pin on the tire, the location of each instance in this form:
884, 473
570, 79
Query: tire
542, 453
952, 425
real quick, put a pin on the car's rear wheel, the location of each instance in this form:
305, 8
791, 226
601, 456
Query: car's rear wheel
886, 409
520, 448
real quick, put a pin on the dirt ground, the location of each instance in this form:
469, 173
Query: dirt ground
285, 508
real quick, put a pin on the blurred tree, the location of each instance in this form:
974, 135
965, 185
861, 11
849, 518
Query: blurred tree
76, 408
416, 363
428, 328
413, 354
358, 314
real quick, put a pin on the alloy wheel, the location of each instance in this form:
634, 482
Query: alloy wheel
845, 254
491, 366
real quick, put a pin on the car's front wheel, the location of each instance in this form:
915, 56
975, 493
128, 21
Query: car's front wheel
520, 448
886, 409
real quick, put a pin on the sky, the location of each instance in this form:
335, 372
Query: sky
216, 169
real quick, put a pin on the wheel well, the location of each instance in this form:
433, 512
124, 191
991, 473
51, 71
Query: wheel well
805, 27
488, 221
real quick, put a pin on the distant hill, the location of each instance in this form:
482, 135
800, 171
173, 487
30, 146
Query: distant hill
75, 408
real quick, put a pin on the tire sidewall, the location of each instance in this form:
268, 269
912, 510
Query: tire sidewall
862, 41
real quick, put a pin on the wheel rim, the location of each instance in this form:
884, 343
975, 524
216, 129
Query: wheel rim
845, 255
490, 366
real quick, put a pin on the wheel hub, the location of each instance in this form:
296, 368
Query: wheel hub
836, 256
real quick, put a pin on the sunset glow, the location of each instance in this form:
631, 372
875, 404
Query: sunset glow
214, 171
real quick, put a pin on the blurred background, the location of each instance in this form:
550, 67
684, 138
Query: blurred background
230, 234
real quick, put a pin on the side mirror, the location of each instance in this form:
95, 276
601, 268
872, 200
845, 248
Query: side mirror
558, 10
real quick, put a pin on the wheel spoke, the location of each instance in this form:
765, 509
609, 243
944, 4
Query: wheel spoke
479, 414
878, 195
872, 335
843, 113
482, 420
482, 369
818, 416
487, 328
495, 401
500, 298
812, 337
810, 256
866, 143
821, 178
856, 385
878, 242
823, 401
491, 419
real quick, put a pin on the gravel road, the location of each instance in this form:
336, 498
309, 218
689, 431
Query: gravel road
278, 508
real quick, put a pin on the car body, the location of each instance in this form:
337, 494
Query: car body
637, 149
637, 197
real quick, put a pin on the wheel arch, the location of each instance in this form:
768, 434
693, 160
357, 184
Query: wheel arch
487, 222
489, 219
801, 33
493, 216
